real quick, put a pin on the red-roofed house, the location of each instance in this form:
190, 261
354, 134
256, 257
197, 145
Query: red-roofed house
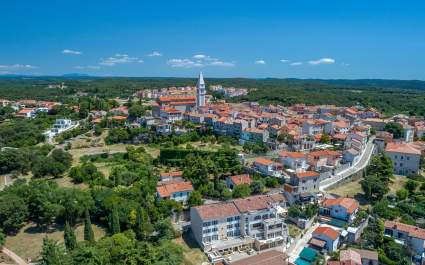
294, 160
329, 235
178, 191
233, 181
323, 158
411, 235
340, 208
267, 167
26, 113
303, 183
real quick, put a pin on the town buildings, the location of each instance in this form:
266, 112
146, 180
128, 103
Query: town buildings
411, 236
326, 238
175, 190
340, 208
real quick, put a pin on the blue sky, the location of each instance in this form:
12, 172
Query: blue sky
303, 39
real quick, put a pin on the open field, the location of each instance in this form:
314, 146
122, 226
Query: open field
28, 241
193, 255
397, 183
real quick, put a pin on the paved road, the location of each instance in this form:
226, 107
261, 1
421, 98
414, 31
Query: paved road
358, 166
294, 251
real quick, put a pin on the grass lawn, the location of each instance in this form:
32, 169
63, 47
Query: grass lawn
293, 230
349, 189
193, 255
397, 183
28, 241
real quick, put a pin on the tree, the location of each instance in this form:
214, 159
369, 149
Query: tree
241, 191
325, 139
257, 187
139, 223
2, 238
411, 186
53, 254
374, 188
69, 237
136, 111
402, 194
13, 212
195, 198
88, 230
395, 128
115, 220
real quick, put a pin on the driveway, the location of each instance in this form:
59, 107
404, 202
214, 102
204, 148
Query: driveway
296, 247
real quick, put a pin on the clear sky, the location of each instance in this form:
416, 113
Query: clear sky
223, 38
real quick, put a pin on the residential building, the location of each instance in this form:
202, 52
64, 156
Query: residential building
229, 127
296, 161
178, 191
355, 256
26, 113
254, 135
409, 235
267, 167
171, 176
342, 208
241, 224
327, 237
182, 103
313, 127
303, 185
233, 181
405, 158
356, 140
324, 158
170, 115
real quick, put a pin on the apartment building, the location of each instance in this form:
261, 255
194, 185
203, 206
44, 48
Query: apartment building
267, 167
405, 158
229, 127
313, 127
324, 158
303, 185
254, 222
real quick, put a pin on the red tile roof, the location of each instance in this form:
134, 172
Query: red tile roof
167, 189
412, 230
217, 210
404, 148
292, 154
263, 161
241, 179
272, 257
176, 98
172, 174
327, 231
307, 174
349, 204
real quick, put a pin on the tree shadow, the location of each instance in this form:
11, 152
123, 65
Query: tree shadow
35, 229
189, 239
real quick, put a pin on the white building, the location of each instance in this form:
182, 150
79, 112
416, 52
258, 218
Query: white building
241, 224
200, 91
405, 157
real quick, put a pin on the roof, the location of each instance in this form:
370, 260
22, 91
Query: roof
327, 231
25, 110
404, 148
241, 179
308, 254
317, 242
263, 161
172, 174
272, 257
217, 210
350, 255
167, 189
253, 203
325, 153
176, 98
292, 154
119, 118
411, 230
366, 254
307, 174
349, 204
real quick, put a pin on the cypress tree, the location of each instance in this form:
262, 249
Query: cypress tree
115, 221
88, 231
69, 237
139, 223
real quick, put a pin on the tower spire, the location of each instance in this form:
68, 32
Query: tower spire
200, 91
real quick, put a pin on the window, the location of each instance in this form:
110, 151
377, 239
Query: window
215, 237
214, 222
237, 217
258, 217
407, 158
214, 229
206, 224
229, 226
230, 233
229, 219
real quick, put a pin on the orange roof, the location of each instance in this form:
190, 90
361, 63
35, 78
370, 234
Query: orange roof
263, 126
325, 153
167, 189
339, 136
176, 98
25, 110
351, 111
348, 203
172, 174
327, 231
171, 110
119, 118
413, 231
292, 154
241, 179
307, 174
404, 148
263, 161
217, 210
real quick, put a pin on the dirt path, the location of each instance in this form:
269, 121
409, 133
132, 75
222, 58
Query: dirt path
14, 257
